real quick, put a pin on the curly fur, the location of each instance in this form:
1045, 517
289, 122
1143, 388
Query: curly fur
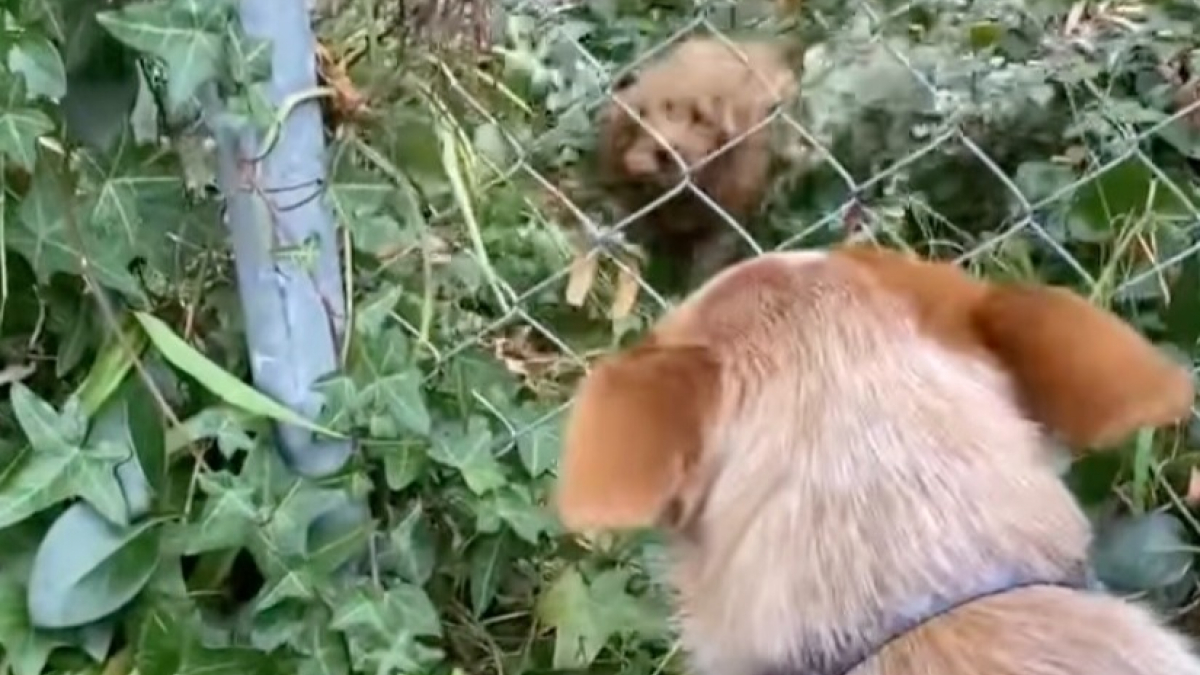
697, 99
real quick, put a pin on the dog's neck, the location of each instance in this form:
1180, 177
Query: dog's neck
852, 510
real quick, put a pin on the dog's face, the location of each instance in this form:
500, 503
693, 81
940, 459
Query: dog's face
762, 349
691, 104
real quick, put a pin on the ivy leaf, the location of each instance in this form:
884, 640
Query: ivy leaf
228, 517
403, 465
86, 568
20, 125
382, 628
487, 558
514, 505
585, 616
46, 473
42, 236
1144, 553
413, 548
470, 451
48, 431
541, 442
389, 385
125, 196
26, 648
41, 66
168, 643
185, 34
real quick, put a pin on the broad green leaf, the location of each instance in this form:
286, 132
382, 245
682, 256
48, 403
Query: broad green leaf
488, 558
169, 643
39, 480
36, 59
1182, 316
217, 380
339, 536
470, 451
112, 365
25, 648
44, 236
390, 386
403, 465
566, 606
401, 608
87, 568
539, 446
514, 505
187, 35
20, 125
47, 431
413, 547
229, 514
225, 424
586, 615
325, 652
1137, 554
1122, 193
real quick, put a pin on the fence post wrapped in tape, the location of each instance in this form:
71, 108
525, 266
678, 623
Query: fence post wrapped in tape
293, 305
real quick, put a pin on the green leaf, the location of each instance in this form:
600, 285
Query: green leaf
48, 431
403, 465
326, 654
39, 480
585, 616
217, 380
169, 643
470, 451
20, 125
487, 558
389, 385
539, 446
35, 58
1182, 316
339, 536
413, 547
223, 423
1121, 194
514, 505
566, 606
229, 514
25, 648
1143, 553
187, 35
43, 236
401, 608
87, 568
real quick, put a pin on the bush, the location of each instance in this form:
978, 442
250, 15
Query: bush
151, 520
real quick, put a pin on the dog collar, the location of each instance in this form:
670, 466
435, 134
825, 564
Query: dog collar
824, 663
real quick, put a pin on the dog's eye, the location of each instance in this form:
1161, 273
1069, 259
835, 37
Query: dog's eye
625, 80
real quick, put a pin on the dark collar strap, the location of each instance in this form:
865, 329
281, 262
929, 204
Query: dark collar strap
818, 663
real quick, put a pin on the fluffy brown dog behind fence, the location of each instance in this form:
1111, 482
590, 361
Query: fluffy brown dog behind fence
849, 452
705, 96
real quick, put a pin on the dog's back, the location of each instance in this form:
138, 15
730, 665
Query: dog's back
850, 450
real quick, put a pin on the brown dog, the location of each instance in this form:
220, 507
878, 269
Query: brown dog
705, 100
849, 449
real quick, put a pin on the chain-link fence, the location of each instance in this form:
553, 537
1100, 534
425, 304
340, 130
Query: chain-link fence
1020, 144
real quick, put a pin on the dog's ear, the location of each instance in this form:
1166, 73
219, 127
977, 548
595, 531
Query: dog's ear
634, 435
1079, 370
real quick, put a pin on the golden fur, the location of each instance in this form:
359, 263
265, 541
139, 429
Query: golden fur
832, 436
700, 97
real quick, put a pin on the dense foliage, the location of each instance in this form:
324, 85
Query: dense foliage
148, 519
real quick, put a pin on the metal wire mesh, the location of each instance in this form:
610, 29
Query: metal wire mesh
1136, 257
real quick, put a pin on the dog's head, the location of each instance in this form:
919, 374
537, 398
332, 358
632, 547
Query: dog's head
702, 96
747, 352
